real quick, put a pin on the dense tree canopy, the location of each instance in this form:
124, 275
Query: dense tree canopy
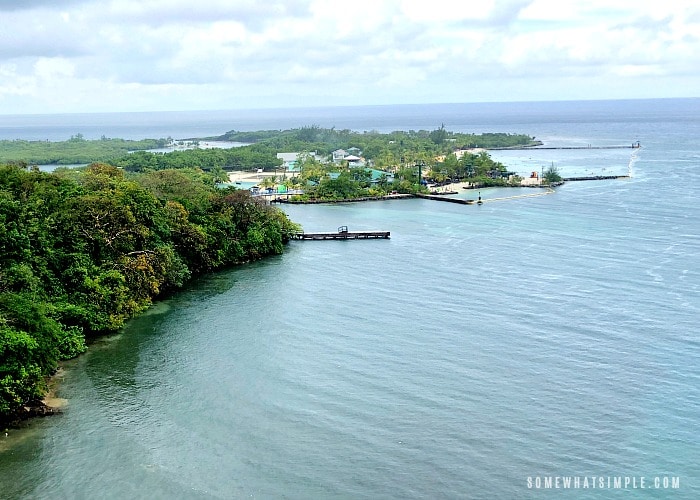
82, 252
394, 147
76, 150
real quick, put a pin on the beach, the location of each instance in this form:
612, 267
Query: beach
248, 176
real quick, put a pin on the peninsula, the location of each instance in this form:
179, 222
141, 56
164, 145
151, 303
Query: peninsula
84, 250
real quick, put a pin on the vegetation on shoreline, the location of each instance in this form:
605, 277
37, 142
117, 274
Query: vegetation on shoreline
552, 175
381, 148
394, 159
76, 150
82, 251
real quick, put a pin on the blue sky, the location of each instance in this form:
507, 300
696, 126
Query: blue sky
136, 55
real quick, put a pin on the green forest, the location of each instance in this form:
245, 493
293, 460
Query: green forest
84, 250
397, 152
395, 149
76, 150
381, 148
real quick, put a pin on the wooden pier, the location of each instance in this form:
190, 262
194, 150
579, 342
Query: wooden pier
344, 234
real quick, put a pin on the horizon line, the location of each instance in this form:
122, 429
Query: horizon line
341, 106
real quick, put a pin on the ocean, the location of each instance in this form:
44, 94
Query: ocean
493, 351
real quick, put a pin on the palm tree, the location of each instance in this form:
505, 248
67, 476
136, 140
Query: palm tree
269, 182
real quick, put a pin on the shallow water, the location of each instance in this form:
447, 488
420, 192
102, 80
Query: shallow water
479, 346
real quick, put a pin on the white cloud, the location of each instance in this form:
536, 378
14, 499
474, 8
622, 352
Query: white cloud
53, 68
217, 53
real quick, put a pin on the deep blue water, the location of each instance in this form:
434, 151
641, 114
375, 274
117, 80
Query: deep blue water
480, 346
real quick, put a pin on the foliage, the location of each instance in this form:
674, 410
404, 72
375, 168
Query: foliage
76, 150
83, 251
551, 175
375, 145
390, 151
243, 158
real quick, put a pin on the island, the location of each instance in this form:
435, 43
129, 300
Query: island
82, 250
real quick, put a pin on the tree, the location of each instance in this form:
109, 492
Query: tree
551, 175
439, 136
83, 251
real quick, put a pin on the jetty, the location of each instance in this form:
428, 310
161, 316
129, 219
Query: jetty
596, 178
344, 234
460, 201
279, 199
634, 145
480, 201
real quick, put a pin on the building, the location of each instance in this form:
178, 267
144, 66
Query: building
339, 155
290, 161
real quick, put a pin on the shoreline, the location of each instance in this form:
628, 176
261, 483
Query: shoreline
402, 196
247, 176
51, 400
49, 405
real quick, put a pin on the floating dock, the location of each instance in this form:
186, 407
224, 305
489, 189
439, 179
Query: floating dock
355, 235
344, 234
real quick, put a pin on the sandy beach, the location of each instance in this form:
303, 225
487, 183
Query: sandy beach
241, 176
454, 186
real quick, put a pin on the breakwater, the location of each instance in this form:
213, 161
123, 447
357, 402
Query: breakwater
280, 199
596, 178
480, 201
460, 201
635, 145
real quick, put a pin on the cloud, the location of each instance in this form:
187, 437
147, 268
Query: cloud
175, 54
14, 5
253, 14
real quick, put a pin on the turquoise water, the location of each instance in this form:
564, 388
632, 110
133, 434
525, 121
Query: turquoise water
570, 163
240, 185
480, 346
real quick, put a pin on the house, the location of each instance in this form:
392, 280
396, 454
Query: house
339, 155
290, 160
354, 161
378, 174
352, 156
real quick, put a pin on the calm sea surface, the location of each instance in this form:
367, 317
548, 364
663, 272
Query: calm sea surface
479, 350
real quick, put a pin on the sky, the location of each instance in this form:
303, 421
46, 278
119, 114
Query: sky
79, 56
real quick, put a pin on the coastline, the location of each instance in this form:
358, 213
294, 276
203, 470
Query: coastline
49, 405
278, 199
51, 400
247, 176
